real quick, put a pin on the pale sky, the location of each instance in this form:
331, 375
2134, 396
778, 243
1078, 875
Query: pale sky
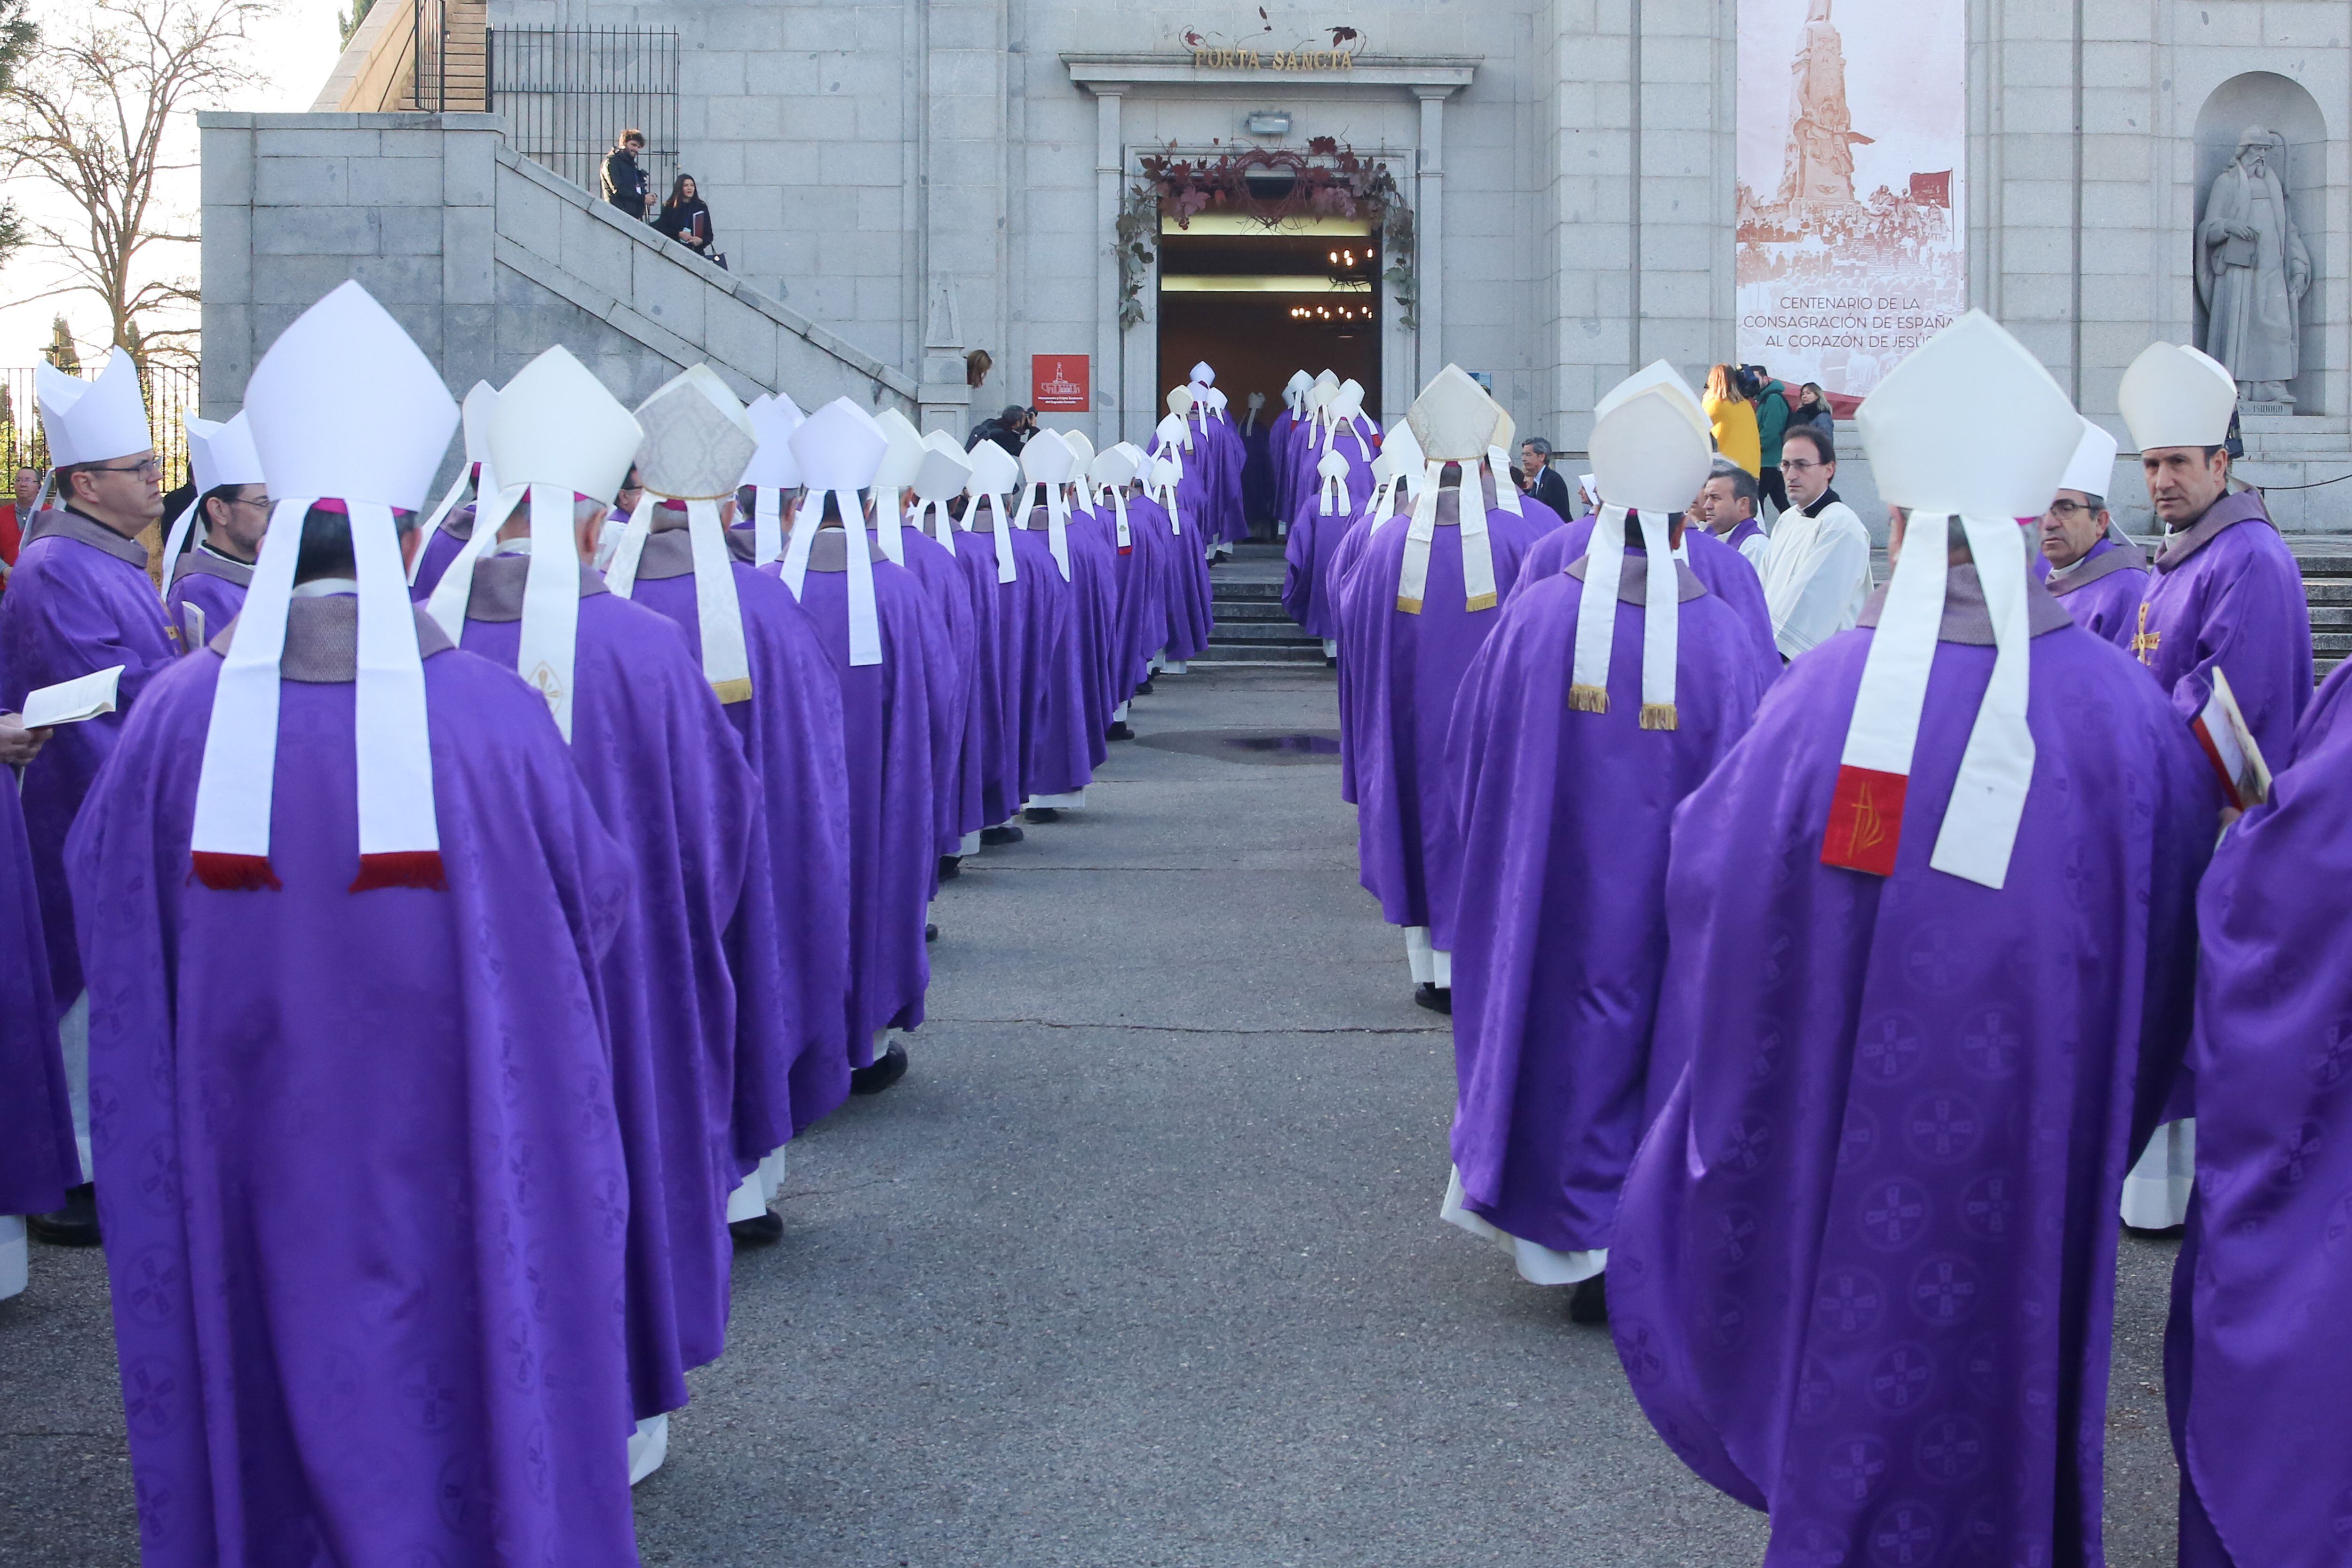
293, 51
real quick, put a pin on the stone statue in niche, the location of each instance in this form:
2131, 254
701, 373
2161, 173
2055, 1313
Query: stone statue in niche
2253, 272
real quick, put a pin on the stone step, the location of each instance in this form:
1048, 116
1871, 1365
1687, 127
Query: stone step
1259, 634
2334, 645
2337, 617
1223, 592
1245, 610
1238, 653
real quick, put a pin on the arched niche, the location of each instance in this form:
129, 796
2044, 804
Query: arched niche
2282, 104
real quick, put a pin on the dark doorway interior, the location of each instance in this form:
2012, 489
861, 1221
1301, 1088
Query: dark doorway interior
1258, 304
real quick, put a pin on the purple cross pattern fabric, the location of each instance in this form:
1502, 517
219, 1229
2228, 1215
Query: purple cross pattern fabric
358, 1165
38, 1160
2112, 584
1865, 1266
2236, 599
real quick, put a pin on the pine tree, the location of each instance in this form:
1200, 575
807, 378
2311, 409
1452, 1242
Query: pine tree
61, 351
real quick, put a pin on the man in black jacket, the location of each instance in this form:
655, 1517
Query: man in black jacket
624, 182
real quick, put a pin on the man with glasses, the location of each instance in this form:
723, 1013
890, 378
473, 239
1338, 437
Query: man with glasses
2095, 571
80, 601
1818, 571
232, 506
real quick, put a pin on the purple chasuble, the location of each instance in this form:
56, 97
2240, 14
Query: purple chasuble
440, 549
2104, 589
358, 1165
1560, 929
2227, 592
895, 741
692, 982
1142, 580
2256, 1379
1094, 573
79, 600
1403, 673
954, 704
1280, 440
792, 733
988, 748
1728, 575
215, 586
1314, 541
1865, 1270
38, 1157
1224, 442
1061, 736
1746, 528
1196, 491
1185, 590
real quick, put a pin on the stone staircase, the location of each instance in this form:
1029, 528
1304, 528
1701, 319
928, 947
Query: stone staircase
2328, 585
1251, 625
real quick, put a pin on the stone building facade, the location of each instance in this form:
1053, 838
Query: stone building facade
917, 178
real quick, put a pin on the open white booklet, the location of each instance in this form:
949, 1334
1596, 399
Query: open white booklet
71, 701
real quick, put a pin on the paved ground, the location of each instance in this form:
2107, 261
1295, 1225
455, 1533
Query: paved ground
1141, 1265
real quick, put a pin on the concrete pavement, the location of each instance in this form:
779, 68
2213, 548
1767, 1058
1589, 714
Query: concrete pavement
1141, 1263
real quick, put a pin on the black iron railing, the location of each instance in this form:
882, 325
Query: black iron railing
171, 392
567, 92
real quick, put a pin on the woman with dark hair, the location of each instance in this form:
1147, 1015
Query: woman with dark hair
686, 219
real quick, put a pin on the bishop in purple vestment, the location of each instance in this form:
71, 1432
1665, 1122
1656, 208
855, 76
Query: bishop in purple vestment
1864, 1271
1321, 519
2256, 1379
1719, 565
38, 1158
1558, 932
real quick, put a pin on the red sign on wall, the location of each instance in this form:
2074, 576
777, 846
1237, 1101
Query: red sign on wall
1060, 383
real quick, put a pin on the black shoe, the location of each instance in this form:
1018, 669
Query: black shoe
930, 931
2167, 1232
76, 1224
759, 1231
1119, 732
1042, 813
951, 868
1331, 661
1436, 998
1144, 689
888, 1068
1588, 1303
997, 838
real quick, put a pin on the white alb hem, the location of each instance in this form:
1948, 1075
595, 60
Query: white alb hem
649, 1447
971, 844
1073, 801
2155, 1192
1431, 965
16, 1257
1537, 1264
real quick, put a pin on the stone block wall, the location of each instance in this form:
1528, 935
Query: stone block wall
485, 258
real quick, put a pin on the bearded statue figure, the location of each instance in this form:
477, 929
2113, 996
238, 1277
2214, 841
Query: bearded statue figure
2252, 270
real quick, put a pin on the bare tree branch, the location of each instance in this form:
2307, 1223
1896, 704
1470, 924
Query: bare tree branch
91, 111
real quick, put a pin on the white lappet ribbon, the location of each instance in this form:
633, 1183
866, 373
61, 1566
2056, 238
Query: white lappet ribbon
400, 840
466, 474
931, 517
181, 526
1166, 496
1333, 495
889, 517
548, 647
1477, 547
1008, 566
1596, 618
717, 608
1058, 524
1118, 514
1507, 494
864, 620
1979, 827
767, 524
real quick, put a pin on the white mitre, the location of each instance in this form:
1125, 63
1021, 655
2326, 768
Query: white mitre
2092, 470
345, 409
2023, 432
841, 448
1453, 421
92, 421
2173, 395
1649, 459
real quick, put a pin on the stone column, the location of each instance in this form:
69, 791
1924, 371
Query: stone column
1429, 224
944, 398
1110, 158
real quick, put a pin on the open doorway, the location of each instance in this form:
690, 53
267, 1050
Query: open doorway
1259, 302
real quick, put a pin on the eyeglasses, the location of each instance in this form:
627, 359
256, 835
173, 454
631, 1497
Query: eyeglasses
2069, 508
146, 469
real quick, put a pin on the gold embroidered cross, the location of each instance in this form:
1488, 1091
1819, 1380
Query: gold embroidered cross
2143, 642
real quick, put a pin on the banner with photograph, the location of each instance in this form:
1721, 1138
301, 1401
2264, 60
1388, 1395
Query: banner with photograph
1853, 237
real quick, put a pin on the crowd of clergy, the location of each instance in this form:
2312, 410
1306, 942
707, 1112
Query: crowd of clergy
425, 927
1835, 967
427, 924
